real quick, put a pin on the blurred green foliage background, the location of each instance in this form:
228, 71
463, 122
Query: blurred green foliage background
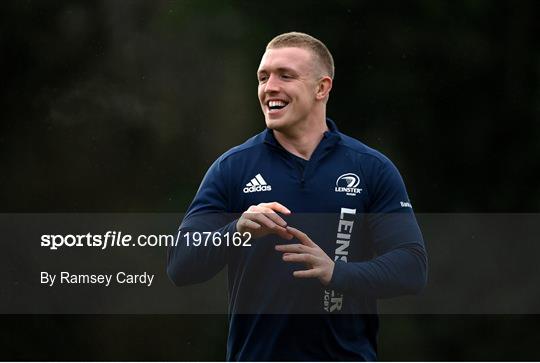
122, 105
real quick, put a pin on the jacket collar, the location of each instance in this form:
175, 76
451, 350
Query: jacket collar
330, 137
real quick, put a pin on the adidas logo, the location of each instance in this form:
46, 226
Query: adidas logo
257, 184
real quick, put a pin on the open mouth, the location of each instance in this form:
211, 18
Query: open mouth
276, 105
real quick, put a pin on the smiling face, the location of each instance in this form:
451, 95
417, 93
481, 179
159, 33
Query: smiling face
288, 87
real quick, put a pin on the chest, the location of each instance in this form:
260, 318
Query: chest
314, 188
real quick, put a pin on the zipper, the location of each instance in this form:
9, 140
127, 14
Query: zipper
290, 158
320, 151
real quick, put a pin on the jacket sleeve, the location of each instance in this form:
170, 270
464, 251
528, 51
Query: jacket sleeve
400, 265
189, 264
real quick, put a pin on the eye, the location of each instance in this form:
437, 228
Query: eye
262, 78
286, 76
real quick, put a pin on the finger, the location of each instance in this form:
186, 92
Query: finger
282, 232
276, 207
261, 219
299, 257
292, 248
247, 224
264, 221
301, 236
306, 274
268, 223
289, 248
273, 216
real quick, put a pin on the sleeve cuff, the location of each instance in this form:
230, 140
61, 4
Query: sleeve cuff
231, 227
339, 276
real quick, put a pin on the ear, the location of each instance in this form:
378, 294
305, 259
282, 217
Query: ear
323, 88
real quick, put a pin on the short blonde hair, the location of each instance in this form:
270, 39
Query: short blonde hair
306, 41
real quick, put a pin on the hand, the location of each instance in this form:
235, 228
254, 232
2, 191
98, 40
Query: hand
262, 219
319, 264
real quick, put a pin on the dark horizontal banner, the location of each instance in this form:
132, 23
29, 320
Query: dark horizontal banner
99, 263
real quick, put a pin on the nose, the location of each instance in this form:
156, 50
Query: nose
272, 84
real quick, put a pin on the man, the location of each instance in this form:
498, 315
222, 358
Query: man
332, 225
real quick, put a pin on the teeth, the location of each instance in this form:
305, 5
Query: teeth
276, 104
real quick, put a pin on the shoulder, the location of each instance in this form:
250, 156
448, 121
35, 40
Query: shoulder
384, 183
377, 169
240, 152
358, 148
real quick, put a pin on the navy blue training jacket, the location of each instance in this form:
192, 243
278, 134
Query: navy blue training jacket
351, 201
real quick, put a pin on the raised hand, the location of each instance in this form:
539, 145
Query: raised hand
261, 220
319, 264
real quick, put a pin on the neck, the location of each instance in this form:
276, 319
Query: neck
303, 140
